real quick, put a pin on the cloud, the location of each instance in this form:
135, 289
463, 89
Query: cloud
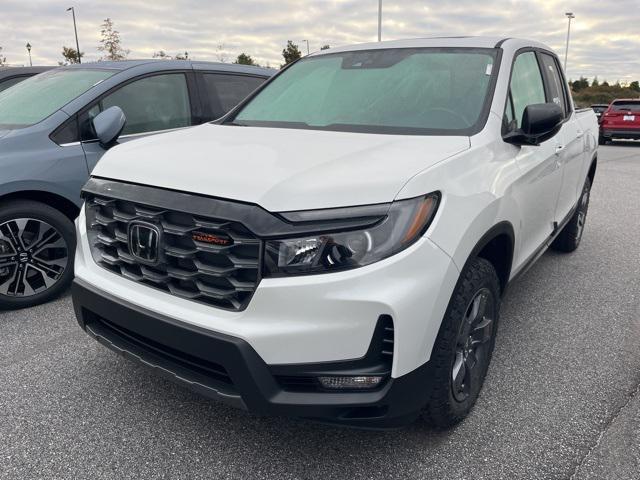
604, 41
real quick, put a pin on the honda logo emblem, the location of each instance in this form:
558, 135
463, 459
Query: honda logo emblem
144, 242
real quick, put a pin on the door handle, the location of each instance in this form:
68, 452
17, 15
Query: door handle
559, 149
580, 134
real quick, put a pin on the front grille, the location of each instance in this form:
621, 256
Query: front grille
207, 260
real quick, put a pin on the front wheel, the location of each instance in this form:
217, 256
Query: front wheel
462, 351
37, 244
571, 235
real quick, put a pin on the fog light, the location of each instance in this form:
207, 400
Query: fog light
345, 383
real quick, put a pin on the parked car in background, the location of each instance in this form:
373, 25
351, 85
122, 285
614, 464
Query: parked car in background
599, 109
10, 76
52, 133
621, 120
337, 246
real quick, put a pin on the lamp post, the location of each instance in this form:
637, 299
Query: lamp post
28, 45
379, 20
307, 45
570, 16
75, 29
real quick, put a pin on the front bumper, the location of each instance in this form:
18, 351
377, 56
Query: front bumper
228, 369
315, 318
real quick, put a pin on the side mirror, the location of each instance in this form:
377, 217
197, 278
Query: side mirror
108, 126
540, 122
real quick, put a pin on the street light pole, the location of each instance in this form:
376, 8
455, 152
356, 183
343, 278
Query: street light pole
569, 15
28, 45
75, 29
379, 20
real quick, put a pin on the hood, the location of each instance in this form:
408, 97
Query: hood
3, 132
279, 169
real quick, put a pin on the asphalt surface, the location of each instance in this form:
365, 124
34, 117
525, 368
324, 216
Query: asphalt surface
561, 399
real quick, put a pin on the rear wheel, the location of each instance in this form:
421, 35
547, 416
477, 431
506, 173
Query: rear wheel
569, 238
37, 243
463, 348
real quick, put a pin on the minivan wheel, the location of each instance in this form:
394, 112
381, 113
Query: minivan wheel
37, 243
571, 235
462, 351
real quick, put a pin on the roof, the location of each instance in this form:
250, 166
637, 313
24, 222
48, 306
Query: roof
433, 42
120, 65
173, 64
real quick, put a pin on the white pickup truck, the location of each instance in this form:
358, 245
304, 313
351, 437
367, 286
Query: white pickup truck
337, 247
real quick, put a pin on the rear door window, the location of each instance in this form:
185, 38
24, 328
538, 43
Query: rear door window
225, 91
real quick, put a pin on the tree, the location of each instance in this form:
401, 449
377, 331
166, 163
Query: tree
605, 83
220, 53
110, 43
580, 84
595, 82
162, 55
325, 47
70, 55
3, 59
244, 59
291, 53
635, 86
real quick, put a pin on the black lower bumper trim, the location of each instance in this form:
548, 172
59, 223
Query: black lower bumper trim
630, 134
228, 369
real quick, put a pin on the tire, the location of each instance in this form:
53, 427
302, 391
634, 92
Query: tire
569, 238
37, 244
468, 332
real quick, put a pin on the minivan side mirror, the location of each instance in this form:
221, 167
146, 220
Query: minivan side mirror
108, 126
540, 122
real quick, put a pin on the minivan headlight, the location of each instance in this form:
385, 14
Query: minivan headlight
405, 222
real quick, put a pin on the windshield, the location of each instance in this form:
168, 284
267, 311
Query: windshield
34, 99
405, 91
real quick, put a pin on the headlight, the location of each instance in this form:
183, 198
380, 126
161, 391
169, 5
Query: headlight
403, 224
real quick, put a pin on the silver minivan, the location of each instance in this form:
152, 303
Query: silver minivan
55, 126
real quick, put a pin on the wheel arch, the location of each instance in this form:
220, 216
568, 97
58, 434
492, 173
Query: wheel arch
497, 247
592, 169
59, 202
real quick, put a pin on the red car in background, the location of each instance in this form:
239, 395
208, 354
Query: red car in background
621, 120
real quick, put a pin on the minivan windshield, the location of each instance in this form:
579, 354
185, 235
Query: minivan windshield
34, 99
403, 90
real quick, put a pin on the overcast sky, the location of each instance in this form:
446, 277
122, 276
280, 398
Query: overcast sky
605, 38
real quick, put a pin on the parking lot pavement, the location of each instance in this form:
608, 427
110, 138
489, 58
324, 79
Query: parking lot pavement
561, 397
